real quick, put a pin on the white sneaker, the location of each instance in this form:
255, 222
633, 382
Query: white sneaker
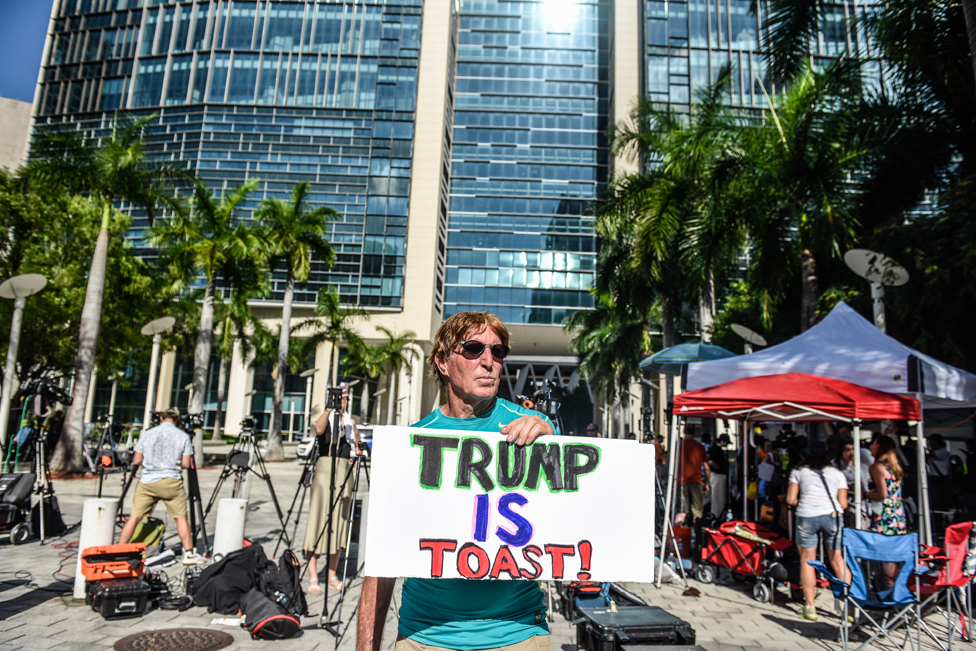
193, 558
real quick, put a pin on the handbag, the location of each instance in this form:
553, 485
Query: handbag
753, 491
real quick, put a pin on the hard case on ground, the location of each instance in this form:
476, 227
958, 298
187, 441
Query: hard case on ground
599, 629
112, 562
119, 598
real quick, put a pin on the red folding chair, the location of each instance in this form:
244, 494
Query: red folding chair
950, 580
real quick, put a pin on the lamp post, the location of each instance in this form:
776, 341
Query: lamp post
308, 394
17, 288
879, 270
155, 329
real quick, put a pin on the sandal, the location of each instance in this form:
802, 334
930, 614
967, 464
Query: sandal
313, 587
335, 584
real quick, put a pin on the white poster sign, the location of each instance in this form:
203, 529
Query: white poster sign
459, 504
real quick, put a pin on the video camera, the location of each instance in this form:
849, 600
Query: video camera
247, 425
50, 393
545, 400
190, 422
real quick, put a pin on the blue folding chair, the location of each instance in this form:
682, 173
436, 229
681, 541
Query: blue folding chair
869, 556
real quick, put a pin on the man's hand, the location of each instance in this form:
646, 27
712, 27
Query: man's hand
706, 489
525, 430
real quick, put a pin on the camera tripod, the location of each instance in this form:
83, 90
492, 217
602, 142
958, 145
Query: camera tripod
238, 463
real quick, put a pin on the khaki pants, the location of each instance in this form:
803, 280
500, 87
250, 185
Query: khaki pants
534, 643
167, 490
694, 499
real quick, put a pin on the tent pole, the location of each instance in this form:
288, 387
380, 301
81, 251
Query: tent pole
857, 473
925, 530
745, 470
672, 456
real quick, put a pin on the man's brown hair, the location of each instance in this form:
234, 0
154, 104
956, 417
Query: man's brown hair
453, 331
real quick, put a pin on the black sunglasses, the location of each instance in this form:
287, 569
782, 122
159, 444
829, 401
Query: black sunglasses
475, 348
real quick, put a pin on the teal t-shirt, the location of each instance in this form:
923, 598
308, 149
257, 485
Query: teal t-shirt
472, 614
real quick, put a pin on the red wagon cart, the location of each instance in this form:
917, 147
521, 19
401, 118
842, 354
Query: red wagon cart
749, 551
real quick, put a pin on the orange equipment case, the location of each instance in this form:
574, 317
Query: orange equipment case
112, 562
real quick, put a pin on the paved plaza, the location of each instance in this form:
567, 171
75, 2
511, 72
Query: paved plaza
37, 612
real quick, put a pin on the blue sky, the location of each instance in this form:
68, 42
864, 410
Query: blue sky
23, 24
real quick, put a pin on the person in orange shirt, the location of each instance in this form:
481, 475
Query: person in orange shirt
692, 462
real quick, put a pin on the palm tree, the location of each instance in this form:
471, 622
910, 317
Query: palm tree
111, 170
294, 232
366, 361
207, 240
665, 229
238, 327
397, 352
335, 328
796, 178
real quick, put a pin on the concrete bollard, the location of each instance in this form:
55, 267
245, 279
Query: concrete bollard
229, 532
97, 528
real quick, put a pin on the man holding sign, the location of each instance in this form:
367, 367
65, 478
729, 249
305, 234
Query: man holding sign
456, 613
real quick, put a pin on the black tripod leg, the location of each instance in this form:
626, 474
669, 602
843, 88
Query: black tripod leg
336, 614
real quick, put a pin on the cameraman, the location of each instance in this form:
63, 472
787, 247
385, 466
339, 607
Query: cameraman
318, 540
163, 452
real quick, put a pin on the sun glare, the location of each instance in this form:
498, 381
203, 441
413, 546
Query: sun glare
559, 14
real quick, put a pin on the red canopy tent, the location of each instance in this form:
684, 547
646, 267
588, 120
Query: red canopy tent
795, 397
787, 397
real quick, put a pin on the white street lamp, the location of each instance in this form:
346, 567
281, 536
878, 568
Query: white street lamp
308, 395
155, 329
17, 288
879, 270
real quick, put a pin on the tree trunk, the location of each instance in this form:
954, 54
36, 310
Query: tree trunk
969, 11
335, 363
276, 451
221, 394
391, 383
201, 366
810, 291
707, 309
364, 403
667, 320
68, 454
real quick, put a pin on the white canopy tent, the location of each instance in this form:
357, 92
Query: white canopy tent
846, 346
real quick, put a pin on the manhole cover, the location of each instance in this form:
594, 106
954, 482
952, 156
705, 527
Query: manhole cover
176, 639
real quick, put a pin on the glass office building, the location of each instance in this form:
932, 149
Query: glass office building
529, 157
688, 41
281, 91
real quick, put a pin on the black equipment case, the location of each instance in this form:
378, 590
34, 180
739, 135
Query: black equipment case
599, 629
15, 498
119, 598
662, 647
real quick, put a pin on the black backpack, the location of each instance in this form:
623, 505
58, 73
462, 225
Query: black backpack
221, 586
280, 583
290, 573
266, 620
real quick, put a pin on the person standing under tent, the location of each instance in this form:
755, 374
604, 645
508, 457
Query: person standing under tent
317, 539
718, 463
845, 463
692, 460
818, 491
440, 614
888, 511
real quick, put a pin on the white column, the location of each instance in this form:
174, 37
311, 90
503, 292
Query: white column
236, 388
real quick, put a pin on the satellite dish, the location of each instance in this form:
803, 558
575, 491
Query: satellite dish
310, 372
158, 326
23, 285
876, 267
748, 334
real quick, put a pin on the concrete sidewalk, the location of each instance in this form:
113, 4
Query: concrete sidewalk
37, 612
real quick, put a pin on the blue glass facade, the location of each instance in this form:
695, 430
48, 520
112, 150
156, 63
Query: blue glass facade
281, 91
688, 41
529, 157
